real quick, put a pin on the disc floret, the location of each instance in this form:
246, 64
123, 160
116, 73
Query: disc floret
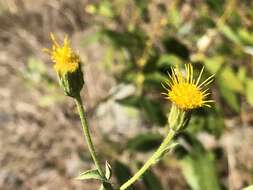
186, 92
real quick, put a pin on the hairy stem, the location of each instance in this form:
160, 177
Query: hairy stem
150, 161
86, 133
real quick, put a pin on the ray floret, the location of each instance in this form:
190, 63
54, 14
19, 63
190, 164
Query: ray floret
186, 92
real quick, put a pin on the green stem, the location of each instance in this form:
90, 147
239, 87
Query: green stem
86, 133
150, 161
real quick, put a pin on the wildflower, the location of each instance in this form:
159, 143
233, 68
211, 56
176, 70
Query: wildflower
67, 66
186, 92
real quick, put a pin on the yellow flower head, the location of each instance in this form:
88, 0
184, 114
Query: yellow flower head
186, 92
67, 66
63, 56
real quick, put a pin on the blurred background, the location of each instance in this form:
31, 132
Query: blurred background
127, 48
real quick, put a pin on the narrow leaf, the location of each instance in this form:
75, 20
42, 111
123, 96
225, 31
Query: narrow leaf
90, 174
108, 170
144, 142
122, 173
249, 91
151, 181
199, 170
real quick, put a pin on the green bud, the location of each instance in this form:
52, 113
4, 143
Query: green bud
72, 82
178, 118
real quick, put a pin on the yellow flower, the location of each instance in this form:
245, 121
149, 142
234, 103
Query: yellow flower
63, 56
67, 66
186, 92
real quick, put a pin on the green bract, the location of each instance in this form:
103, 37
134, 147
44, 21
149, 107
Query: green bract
72, 82
178, 119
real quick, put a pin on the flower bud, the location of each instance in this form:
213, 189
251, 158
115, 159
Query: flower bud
67, 66
72, 82
178, 118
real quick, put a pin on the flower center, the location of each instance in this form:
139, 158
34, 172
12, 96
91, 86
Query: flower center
65, 59
186, 95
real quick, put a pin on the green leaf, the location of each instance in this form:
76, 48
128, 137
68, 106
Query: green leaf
174, 16
105, 9
229, 96
132, 101
249, 91
108, 170
242, 74
132, 41
176, 47
213, 64
122, 173
145, 142
230, 79
130, 76
143, 8
216, 5
246, 36
209, 120
155, 78
248, 188
199, 170
154, 83
142, 4
151, 181
214, 122
229, 33
153, 111
91, 174
106, 186
168, 60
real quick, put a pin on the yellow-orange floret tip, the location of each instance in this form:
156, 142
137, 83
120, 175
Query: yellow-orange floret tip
186, 92
65, 60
